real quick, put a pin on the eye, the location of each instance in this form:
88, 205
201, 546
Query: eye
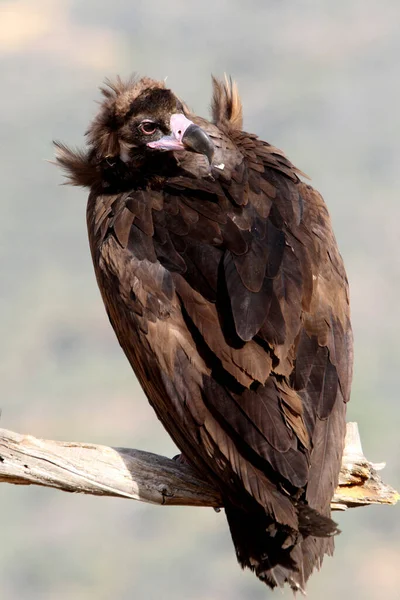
147, 127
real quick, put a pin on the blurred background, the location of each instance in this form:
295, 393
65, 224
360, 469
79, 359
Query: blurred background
319, 80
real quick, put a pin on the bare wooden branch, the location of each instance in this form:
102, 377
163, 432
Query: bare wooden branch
103, 471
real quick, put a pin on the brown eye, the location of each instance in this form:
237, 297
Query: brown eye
147, 127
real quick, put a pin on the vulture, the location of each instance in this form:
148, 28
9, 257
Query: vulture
222, 280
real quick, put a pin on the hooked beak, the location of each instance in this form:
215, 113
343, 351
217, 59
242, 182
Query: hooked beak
185, 136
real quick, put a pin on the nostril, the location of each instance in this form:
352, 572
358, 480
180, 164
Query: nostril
179, 131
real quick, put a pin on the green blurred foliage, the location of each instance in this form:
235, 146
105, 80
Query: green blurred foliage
321, 81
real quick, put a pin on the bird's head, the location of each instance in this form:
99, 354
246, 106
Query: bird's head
144, 117
138, 121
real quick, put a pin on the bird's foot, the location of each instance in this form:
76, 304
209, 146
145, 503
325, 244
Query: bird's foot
181, 459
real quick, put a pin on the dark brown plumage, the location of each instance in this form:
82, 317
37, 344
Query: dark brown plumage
223, 282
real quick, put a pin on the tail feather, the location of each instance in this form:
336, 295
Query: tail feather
277, 554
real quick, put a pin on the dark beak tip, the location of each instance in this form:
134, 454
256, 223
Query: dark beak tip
197, 140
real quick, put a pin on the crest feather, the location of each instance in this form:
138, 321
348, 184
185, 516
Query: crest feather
226, 105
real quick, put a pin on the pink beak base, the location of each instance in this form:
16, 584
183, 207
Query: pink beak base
178, 123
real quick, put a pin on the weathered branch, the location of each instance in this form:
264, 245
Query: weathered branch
125, 473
